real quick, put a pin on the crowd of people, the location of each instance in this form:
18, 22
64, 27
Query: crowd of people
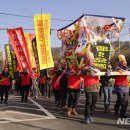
66, 81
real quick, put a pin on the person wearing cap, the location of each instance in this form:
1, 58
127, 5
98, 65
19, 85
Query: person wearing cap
121, 88
91, 86
5, 85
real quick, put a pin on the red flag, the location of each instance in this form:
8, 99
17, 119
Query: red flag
20, 47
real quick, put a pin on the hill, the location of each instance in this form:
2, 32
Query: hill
124, 49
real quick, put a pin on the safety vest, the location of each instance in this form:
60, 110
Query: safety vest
54, 80
74, 82
121, 80
90, 80
4, 80
42, 80
25, 80
34, 75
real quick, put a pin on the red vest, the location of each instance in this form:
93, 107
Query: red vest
53, 82
74, 82
121, 80
6, 81
42, 80
25, 80
90, 80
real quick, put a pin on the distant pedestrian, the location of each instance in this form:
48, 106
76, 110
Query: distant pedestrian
5, 85
35, 80
25, 84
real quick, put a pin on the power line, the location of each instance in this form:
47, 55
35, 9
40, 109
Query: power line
14, 5
52, 29
25, 16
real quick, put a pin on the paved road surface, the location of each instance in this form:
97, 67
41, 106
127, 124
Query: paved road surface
43, 114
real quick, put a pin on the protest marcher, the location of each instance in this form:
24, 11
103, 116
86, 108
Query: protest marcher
55, 85
5, 85
42, 84
73, 87
16, 82
106, 81
48, 84
63, 82
91, 87
35, 87
25, 85
121, 88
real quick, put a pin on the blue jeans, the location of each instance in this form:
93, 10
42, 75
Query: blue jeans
107, 96
122, 99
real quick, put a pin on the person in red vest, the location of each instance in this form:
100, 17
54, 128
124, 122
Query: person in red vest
5, 85
42, 83
73, 87
55, 87
25, 84
91, 87
121, 88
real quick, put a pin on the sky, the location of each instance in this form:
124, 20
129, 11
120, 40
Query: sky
59, 9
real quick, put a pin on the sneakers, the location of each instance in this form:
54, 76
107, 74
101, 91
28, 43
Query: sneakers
89, 120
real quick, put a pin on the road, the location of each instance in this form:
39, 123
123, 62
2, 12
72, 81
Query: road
43, 114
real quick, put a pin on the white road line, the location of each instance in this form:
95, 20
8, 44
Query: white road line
42, 108
9, 120
23, 103
23, 113
23, 108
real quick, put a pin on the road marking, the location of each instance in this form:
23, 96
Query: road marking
9, 120
22, 113
23, 108
42, 108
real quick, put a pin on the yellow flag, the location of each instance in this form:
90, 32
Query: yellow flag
42, 30
30, 50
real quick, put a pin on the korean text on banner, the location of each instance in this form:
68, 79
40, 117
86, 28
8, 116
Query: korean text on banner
42, 30
9, 59
17, 40
30, 49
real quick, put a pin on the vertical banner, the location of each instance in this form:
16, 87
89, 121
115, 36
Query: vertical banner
29, 37
14, 61
103, 55
18, 43
9, 59
1, 61
42, 30
34, 47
